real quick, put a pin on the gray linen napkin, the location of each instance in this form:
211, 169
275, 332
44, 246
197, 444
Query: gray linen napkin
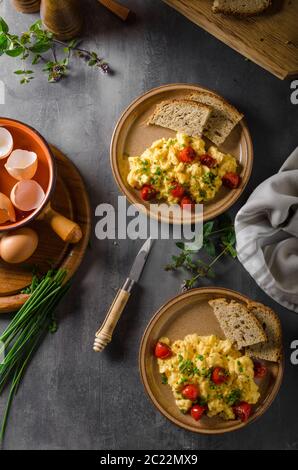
267, 234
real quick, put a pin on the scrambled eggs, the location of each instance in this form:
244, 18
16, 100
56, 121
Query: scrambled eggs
193, 361
160, 167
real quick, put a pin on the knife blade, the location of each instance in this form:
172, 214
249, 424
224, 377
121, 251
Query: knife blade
140, 261
104, 335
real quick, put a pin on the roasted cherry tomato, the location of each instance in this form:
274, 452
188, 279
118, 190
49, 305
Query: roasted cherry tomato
207, 160
188, 202
162, 350
187, 155
219, 376
178, 190
242, 411
191, 392
260, 370
148, 192
231, 180
197, 412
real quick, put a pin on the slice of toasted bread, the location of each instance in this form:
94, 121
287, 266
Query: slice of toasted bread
184, 116
222, 119
238, 323
272, 349
240, 7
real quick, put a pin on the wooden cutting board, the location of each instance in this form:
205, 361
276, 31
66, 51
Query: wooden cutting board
70, 198
270, 39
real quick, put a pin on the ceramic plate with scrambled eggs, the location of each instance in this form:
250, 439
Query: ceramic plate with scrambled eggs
210, 372
181, 167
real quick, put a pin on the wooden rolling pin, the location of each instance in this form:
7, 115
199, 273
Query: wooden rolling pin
116, 8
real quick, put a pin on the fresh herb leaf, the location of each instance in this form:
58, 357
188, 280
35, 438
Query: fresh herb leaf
233, 397
3, 25
36, 42
219, 239
164, 379
187, 367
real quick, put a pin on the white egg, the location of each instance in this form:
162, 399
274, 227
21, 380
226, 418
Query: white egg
22, 164
7, 212
27, 195
17, 246
6, 143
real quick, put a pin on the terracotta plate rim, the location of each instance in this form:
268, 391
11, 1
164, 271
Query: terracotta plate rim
223, 206
142, 369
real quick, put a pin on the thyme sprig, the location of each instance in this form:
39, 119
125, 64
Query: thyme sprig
219, 240
35, 43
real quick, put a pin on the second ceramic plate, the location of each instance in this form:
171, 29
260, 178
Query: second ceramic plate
132, 136
185, 314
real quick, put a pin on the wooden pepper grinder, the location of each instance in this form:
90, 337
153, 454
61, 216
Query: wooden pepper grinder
63, 18
26, 6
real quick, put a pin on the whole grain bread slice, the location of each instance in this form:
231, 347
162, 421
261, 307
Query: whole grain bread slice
238, 323
184, 116
223, 118
240, 7
272, 349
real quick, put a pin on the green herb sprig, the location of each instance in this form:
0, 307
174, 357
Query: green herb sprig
219, 240
32, 45
22, 336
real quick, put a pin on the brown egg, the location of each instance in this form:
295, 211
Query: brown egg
17, 246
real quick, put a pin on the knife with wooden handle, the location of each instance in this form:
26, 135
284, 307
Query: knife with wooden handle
104, 335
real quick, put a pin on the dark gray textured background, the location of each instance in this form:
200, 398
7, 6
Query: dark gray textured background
72, 398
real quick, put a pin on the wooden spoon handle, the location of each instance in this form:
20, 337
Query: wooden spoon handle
116, 8
104, 335
66, 229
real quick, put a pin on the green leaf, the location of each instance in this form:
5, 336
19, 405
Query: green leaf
25, 38
37, 26
19, 72
14, 52
36, 59
92, 62
73, 43
180, 245
207, 228
3, 42
232, 251
40, 47
229, 238
3, 25
48, 66
210, 248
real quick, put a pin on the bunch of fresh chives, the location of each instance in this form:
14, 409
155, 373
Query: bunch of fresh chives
24, 332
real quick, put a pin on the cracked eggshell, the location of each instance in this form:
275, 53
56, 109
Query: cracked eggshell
27, 195
17, 246
6, 143
22, 164
7, 212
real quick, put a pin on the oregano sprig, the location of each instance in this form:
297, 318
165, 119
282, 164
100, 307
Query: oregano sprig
38, 45
219, 240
